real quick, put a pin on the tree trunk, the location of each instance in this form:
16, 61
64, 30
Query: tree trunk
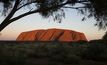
4, 24
7, 21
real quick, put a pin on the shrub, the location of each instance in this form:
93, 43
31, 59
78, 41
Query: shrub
72, 59
11, 57
57, 53
96, 51
105, 36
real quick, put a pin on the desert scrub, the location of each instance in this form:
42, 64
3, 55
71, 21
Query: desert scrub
10, 56
57, 53
38, 52
72, 59
96, 51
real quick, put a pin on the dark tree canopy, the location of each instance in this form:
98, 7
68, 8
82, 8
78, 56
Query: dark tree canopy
55, 8
105, 36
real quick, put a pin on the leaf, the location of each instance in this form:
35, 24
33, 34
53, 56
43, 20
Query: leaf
83, 18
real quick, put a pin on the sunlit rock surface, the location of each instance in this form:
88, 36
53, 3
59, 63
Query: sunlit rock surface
52, 35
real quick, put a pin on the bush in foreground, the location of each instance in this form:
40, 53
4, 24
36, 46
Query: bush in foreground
31, 53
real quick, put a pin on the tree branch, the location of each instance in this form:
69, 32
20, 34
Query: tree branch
23, 15
6, 20
26, 4
74, 7
35, 11
12, 11
82, 1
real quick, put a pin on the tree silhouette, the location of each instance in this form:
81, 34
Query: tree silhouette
105, 36
54, 8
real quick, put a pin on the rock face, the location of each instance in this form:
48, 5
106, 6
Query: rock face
52, 35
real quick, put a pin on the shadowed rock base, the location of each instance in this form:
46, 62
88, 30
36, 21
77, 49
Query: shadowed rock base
62, 35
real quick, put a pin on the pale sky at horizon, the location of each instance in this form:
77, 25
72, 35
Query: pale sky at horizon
35, 21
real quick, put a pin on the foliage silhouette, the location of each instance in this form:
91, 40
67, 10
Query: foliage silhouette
75, 53
105, 36
54, 8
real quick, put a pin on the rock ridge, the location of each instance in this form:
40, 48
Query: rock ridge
52, 35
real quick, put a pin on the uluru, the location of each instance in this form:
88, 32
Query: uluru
54, 34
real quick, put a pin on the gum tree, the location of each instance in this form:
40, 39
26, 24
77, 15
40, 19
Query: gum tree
54, 8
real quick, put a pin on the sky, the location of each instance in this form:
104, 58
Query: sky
72, 21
